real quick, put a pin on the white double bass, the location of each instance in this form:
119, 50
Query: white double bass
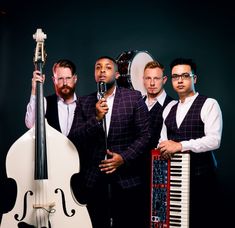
42, 162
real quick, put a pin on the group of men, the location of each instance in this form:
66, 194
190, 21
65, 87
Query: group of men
115, 133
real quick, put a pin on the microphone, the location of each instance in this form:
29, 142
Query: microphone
102, 88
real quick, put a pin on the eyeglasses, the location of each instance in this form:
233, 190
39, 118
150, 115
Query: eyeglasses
184, 76
61, 79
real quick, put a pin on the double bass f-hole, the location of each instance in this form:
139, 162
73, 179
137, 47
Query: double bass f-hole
41, 206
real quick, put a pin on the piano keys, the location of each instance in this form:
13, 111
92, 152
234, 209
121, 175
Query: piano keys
170, 188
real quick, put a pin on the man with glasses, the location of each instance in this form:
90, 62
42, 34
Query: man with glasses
60, 106
194, 125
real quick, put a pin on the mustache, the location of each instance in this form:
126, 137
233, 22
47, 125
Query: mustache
66, 91
66, 87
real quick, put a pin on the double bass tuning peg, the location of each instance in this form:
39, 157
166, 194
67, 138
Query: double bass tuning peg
39, 35
40, 54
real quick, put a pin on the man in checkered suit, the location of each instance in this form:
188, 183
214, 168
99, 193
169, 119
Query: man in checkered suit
112, 135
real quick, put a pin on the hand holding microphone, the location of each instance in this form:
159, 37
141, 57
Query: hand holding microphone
102, 109
101, 105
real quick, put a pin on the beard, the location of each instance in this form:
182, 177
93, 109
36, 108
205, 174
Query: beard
66, 91
110, 84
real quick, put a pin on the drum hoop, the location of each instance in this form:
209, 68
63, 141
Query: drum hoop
129, 63
140, 86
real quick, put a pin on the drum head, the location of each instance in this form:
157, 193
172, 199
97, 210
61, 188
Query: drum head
137, 70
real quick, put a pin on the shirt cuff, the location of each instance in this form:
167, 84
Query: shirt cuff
185, 146
32, 98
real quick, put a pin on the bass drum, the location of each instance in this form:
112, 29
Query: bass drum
131, 68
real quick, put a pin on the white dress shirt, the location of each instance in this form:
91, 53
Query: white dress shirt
160, 99
65, 112
211, 116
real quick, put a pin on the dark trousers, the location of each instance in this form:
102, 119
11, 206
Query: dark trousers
204, 201
127, 207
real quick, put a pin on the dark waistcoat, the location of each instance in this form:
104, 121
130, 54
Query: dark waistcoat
52, 114
192, 127
156, 120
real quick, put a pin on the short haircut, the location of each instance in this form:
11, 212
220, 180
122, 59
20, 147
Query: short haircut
110, 58
153, 64
184, 61
65, 63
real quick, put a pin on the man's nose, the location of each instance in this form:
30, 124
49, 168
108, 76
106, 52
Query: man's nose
180, 79
65, 81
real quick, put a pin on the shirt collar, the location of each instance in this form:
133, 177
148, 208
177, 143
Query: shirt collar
110, 96
189, 99
160, 98
62, 100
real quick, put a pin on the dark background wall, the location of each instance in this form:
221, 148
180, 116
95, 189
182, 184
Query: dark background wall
202, 30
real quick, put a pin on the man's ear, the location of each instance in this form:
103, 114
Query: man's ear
195, 78
164, 79
117, 74
76, 78
53, 78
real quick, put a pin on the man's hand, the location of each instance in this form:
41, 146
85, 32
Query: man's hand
37, 77
111, 164
168, 148
101, 109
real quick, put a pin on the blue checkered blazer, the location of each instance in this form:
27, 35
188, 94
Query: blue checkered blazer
128, 135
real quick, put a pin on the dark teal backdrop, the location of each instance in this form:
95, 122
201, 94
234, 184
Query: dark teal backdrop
202, 30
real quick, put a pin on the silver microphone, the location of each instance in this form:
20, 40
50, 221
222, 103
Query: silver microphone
102, 88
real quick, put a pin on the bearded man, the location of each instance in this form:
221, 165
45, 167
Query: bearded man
59, 107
